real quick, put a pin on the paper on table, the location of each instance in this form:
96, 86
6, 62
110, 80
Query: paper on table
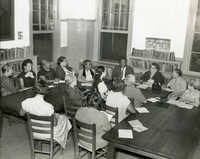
153, 100
180, 104
140, 129
50, 86
142, 110
135, 123
125, 133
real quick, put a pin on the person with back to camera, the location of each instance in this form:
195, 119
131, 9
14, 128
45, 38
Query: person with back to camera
27, 77
116, 98
99, 82
132, 92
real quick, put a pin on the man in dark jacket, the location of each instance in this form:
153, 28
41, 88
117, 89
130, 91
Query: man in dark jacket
122, 70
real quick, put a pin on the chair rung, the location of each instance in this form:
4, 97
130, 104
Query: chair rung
83, 138
41, 131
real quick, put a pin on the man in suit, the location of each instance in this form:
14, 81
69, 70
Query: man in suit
122, 70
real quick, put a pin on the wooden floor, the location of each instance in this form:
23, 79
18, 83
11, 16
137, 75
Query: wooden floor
14, 144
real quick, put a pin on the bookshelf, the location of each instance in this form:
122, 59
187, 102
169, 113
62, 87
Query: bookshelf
15, 57
143, 63
157, 50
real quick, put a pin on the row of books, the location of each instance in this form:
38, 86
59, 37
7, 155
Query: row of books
13, 53
154, 54
157, 44
147, 64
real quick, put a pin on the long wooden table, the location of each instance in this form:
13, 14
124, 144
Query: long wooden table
173, 133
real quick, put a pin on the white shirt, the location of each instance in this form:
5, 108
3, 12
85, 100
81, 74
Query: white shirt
117, 99
123, 72
37, 106
102, 88
88, 75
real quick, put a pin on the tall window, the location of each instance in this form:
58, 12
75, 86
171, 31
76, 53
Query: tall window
43, 15
114, 29
195, 55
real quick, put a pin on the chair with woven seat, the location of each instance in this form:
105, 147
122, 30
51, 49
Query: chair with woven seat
41, 132
85, 134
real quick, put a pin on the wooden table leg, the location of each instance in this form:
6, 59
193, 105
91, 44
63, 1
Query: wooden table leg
1, 123
111, 151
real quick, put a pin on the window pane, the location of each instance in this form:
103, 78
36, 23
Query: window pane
43, 27
35, 27
43, 17
35, 4
35, 17
113, 46
196, 43
43, 5
197, 26
195, 62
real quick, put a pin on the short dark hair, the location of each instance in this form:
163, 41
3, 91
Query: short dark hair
86, 61
25, 62
178, 71
156, 65
100, 69
5, 68
60, 59
118, 85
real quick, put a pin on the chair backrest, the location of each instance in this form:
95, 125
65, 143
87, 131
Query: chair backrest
114, 112
85, 133
69, 108
41, 126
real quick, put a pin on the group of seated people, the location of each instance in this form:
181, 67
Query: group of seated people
120, 91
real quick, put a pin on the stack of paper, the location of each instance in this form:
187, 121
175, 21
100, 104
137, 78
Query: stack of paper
125, 133
142, 110
137, 125
180, 104
153, 100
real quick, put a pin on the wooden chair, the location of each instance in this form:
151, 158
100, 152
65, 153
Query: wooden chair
114, 112
86, 133
1, 122
42, 125
70, 109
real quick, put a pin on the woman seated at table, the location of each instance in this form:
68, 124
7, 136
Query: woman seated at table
132, 92
63, 70
46, 74
38, 106
116, 98
192, 94
177, 84
153, 75
7, 83
90, 115
85, 76
27, 77
99, 82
